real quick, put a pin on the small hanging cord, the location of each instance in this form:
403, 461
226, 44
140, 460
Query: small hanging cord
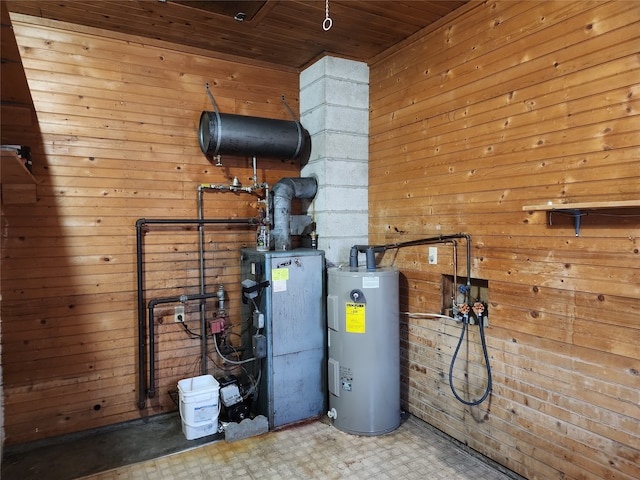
328, 23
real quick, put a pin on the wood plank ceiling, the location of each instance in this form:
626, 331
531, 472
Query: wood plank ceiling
287, 33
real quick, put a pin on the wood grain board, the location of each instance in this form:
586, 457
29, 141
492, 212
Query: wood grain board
476, 124
118, 141
481, 126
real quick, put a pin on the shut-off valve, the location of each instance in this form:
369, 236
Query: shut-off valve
469, 313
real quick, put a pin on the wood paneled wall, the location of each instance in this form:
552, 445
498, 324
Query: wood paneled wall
118, 120
510, 104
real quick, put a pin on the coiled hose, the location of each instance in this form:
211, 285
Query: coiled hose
486, 361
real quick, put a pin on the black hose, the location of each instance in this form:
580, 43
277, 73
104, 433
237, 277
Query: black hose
486, 360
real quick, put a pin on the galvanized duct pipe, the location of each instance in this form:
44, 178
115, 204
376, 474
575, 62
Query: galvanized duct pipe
229, 134
283, 192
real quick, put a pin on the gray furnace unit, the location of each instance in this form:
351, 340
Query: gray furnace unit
364, 349
293, 378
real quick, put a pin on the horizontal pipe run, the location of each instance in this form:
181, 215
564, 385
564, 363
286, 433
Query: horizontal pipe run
371, 249
177, 221
427, 241
411, 243
182, 299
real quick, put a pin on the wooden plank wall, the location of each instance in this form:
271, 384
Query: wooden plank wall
504, 105
118, 119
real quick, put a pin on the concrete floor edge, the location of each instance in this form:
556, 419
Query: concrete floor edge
465, 448
182, 445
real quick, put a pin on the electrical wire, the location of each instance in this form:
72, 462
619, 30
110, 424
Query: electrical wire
455, 354
190, 332
254, 384
427, 315
232, 362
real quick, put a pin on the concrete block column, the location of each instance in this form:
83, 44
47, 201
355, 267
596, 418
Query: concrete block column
334, 108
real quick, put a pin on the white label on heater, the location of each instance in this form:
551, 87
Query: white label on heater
279, 277
279, 285
370, 282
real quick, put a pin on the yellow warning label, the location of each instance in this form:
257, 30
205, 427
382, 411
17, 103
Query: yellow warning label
280, 274
355, 318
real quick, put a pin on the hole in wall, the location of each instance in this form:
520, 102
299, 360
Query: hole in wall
451, 294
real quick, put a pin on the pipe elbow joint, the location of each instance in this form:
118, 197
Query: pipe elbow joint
283, 192
353, 257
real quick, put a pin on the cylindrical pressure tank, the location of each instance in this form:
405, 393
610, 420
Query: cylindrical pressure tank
230, 134
364, 349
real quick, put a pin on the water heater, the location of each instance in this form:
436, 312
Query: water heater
364, 349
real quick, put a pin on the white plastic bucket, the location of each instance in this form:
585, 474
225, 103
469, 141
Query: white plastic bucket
199, 406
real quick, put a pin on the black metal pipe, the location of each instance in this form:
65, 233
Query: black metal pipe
370, 249
194, 221
142, 368
426, 241
142, 350
203, 340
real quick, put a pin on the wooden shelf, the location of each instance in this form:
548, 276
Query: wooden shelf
583, 206
576, 209
13, 169
18, 184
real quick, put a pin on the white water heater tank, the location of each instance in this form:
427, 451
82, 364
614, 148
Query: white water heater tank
364, 349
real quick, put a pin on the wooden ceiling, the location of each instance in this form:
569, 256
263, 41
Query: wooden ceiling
287, 33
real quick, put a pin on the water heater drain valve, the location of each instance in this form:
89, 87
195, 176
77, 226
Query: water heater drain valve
332, 413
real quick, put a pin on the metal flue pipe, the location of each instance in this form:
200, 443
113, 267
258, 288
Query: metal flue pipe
283, 192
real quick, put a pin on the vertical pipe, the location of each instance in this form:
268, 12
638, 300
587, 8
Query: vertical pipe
267, 201
152, 354
468, 241
142, 374
285, 190
203, 341
455, 277
255, 173
371, 260
353, 257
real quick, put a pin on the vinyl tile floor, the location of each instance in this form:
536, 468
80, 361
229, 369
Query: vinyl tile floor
317, 450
